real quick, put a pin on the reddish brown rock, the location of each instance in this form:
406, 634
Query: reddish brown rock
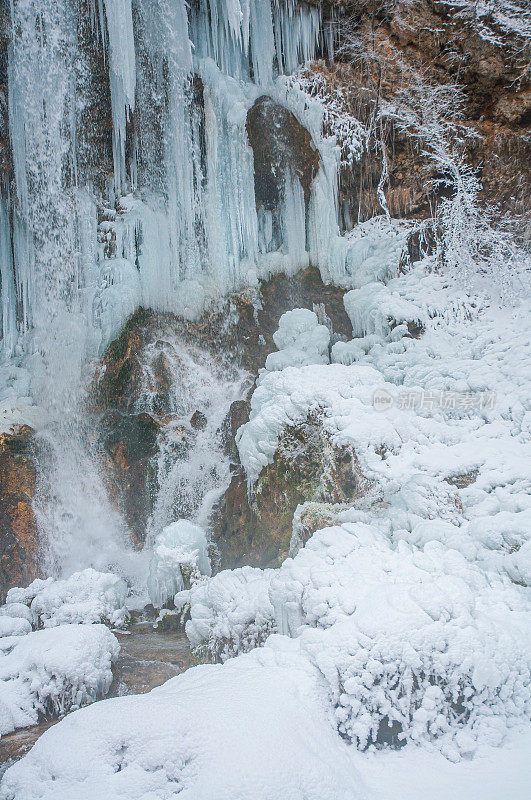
18, 529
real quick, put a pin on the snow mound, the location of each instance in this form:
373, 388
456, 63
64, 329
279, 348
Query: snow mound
180, 556
85, 597
300, 341
376, 309
416, 644
53, 670
229, 614
287, 397
14, 626
255, 727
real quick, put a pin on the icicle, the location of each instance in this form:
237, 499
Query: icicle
297, 32
122, 72
294, 224
263, 42
7, 283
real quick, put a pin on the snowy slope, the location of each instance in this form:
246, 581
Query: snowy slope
254, 728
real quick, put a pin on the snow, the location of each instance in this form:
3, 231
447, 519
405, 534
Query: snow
14, 626
416, 636
53, 670
255, 727
414, 605
376, 309
300, 341
229, 614
83, 598
180, 555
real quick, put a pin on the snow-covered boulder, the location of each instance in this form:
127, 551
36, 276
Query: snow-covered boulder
180, 556
229, 614
416, 644
300, 341
14, 626
85, 597
53, 670
375, 309
255, 728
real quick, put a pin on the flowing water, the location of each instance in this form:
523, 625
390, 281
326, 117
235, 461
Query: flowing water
192, 466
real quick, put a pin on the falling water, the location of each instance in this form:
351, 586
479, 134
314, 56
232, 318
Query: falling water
192, 469
158, 212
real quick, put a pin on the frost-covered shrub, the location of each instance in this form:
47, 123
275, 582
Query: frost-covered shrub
180, 557
416, 645
51, 671
85, 597
229, 614
14, 626
300, 341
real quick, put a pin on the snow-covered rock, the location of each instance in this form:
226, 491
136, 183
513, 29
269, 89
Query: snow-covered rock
180, 555
53, 670
231, 613
85, 597
376, 309
300, 341
253, 728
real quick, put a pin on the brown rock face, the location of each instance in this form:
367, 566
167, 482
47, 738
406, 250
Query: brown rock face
306, 467
18, 529
131, 440
464, 44
279, 141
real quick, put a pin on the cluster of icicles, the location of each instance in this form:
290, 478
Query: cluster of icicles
179, 203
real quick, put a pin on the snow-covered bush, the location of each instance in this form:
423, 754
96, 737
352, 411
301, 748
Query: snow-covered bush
375, 309
180, 557
54, 670
229, 614
85, 597
416, 644
300, 341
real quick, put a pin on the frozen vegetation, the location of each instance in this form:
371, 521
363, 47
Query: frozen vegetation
52, 658
83, 598
51, 671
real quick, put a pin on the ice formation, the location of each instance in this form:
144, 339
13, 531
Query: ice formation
180, 555
186, 221
229, 614
416, 643
300, 341
174, 225
83, 598
53, 670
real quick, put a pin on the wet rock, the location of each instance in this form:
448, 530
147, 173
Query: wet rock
119, 379
130, 442
279, 142
149, 658
198, 421
18, 528
306, 467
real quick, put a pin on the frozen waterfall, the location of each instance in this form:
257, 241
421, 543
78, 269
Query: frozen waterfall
155, 207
